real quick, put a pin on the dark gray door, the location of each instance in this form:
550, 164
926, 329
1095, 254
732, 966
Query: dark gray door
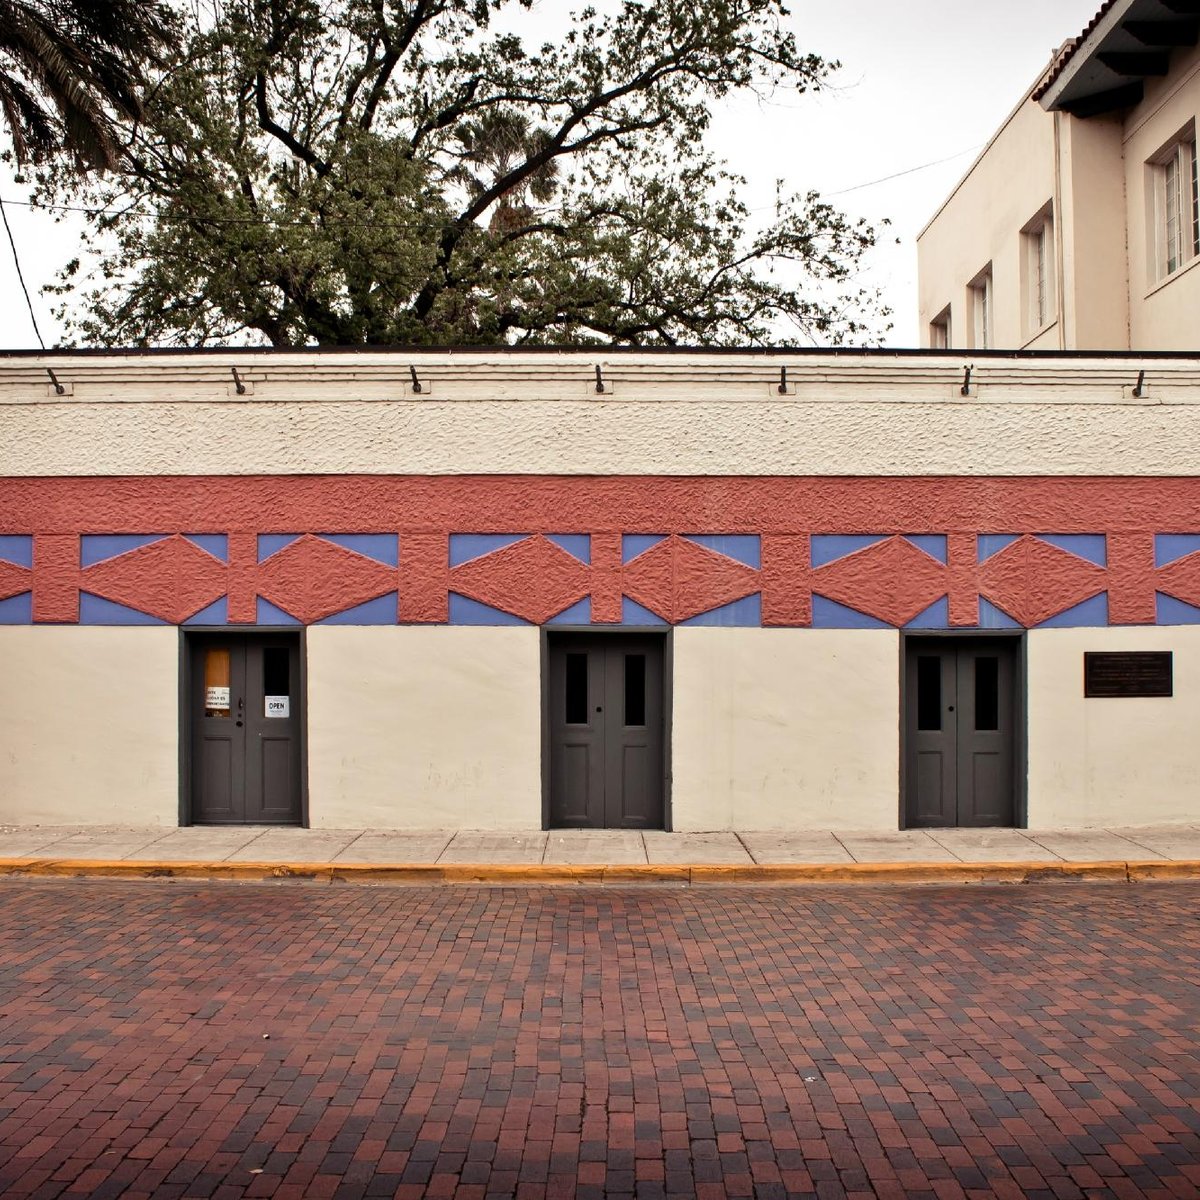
606, 732
960, 733
245, 705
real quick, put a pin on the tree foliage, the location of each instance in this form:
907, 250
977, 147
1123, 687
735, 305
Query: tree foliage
365, 172
70, 72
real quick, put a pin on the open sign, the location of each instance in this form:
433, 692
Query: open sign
278, 706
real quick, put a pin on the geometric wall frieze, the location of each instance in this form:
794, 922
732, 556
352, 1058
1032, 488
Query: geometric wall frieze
891, 580
1181, 579
1032, 580
533, 579
170, 578
678, 579
312, 578
14, 579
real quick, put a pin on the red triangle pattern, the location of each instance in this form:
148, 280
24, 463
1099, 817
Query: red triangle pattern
1032, 581
678, 579
313, 579
171, 579
1181, 579
533, 579
13, 579
891, 580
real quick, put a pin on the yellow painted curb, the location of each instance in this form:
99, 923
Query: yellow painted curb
610, 875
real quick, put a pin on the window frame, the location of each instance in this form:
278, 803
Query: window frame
980, 292
1175, 206
940, 330
1039, 295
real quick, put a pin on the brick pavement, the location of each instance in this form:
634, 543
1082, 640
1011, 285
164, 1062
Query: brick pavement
919, 1042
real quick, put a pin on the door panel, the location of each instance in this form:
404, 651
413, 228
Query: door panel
245, 707
960, 733
606, 757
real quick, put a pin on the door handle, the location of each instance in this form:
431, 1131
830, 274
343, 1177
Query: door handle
239, 716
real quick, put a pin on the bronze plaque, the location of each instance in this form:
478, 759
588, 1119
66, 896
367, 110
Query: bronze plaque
1127, 673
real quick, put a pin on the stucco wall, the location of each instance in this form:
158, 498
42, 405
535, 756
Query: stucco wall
1111, 761
1165, 313
980, 222
414, 727
1014, 427
90, 720
785, 729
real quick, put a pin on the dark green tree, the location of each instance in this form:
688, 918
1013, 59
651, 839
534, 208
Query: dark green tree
364, 172
70, 74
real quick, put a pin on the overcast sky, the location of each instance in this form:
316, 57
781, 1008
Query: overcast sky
922, 82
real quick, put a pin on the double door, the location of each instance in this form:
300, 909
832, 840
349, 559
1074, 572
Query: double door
960, 733
605, 725
244, 700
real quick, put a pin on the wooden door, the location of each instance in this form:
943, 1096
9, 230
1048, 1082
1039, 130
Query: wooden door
245, 703
606, 731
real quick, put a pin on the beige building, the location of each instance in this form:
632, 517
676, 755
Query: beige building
1078, 227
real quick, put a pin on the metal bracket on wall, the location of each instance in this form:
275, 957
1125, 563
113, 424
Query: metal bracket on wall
59, 389
241, 387
1139, 388
416, 383
965, 390
599, 381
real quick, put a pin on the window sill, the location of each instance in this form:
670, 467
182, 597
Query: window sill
1159, 284
1037, 333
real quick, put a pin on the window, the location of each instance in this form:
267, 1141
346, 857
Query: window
939, 331
981, 308
1037, 271
1176, 205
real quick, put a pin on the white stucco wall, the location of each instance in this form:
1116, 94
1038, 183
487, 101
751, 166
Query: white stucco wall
91, 726
785, 729
413, 727
1111, 761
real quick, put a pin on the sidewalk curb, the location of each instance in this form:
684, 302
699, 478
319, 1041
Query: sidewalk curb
632, 874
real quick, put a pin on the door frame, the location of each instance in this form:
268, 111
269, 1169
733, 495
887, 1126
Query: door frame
665, 635
186, 634
1017, 639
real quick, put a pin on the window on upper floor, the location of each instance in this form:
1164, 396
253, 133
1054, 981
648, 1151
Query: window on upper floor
980, 292
1037, 270
939, 330
1176, 206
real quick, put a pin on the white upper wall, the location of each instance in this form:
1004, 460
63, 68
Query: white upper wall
674, 414
1097, 174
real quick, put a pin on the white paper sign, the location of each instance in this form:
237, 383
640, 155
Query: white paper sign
216, 697
278, 706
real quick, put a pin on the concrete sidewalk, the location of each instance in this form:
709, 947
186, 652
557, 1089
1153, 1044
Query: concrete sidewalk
603, 855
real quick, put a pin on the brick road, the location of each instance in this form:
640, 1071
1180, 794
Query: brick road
930, 1042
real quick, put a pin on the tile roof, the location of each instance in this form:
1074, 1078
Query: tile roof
1070, 48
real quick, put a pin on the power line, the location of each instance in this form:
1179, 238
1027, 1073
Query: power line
909, 171
21, 275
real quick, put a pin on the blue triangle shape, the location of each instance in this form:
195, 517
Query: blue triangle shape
466, 546
17, 610
991, 617
17, 548
272, 543
1168, 547
268, 614
829, 547
829, 614
742, 547
1092, 547
1175, 612
933, 544
936, 616
217, 613
744, 612
578, 614
216, 544
989, 544
633, 544
577, 545
465, 611
632, 613
379, 611
1090, 613
95, 610
96, 547
382, 547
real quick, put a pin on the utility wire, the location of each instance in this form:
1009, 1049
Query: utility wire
21, 275
909, 171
